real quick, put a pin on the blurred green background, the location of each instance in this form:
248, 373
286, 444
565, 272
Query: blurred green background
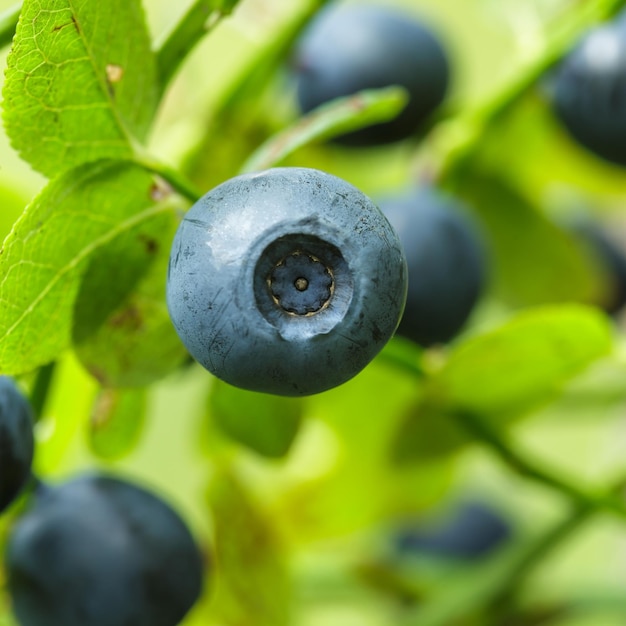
312, 527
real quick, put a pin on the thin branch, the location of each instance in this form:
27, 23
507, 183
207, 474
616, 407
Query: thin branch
199, 20
564, 37
173, 177
484, 433
535, 555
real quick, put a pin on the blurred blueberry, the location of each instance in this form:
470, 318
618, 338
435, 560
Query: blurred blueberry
446, 263
16, 441
589, 92
471, 531
348, 48
611, 258
99, 551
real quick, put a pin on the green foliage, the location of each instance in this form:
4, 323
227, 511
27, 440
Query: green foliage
556, 271
246, 542
510, 369
48, 252
266, 424
327, 121
188, 33
78, 87
116, 422
12, 206
427, 431
127, 338
84, 324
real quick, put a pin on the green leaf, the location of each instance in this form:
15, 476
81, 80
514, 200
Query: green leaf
329, 120
252, 585
8, 22
523, 362
267, 424
346, 442
13, 203
136, 344
80, 82
119, 264
48, 252
62, 423
225, 7
427, 433
534, 261
116, 423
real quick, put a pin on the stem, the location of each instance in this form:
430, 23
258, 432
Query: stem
8, 23
177, 180
564, 39
484, 433
200, 19
41, 389
481, 431
536, 554
240, 102
524, 566
259, 71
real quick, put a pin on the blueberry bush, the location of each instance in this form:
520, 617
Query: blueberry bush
357, 359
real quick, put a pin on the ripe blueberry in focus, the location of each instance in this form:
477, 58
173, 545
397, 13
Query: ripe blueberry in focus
98, 551
589, 92
445, 260
471, 531
354, 47
287, 281
16, 441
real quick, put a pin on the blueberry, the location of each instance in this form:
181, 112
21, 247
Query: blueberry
445, 259
99, 551
471, 531
349, 48
287, 281
589, 92
16, 441
611, 259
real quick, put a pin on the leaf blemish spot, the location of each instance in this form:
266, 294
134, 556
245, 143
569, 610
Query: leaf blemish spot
130, 317
160, 190
151, 245
59, 27
115, 73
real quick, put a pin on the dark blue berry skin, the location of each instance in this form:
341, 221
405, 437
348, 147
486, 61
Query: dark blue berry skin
99, 551
349, 48
610, 257
472, 531
589, 92
16, 441
287, 281
446, 264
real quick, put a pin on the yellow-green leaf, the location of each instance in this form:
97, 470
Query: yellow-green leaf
267, 424
523, 362
329, 120
252, 583
534, 261
116, 422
